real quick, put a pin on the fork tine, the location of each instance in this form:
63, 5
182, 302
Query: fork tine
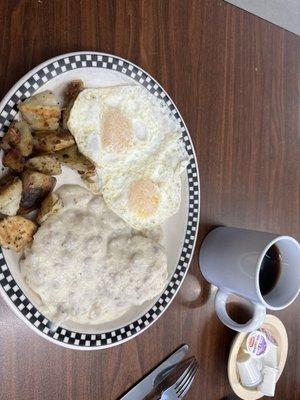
188, 383
193, 367
184, 374
181, 396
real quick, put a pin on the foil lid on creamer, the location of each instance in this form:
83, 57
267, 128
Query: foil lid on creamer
257, 344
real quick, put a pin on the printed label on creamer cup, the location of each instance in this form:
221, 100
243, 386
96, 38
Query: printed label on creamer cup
257, 345
269, 336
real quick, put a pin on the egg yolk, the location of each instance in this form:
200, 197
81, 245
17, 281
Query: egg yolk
143, 198
117, 132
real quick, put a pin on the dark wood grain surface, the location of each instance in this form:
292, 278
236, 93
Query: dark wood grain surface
235, 79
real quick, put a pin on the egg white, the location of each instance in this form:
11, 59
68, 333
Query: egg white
150, 120
139, 171
163, 173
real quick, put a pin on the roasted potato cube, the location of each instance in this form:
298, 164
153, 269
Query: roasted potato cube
25, 144
47, 164
14, 160
74, 159
10, 196
41, 111
49, 142
36, 186
73, 89
50, 206
25, 211
7, 178
11, 138
16, 232
18, 136
66, 114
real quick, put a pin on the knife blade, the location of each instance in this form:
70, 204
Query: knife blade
145, 386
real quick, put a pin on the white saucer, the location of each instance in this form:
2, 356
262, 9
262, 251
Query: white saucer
277, 329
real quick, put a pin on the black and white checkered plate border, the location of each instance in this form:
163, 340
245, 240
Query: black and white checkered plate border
12, 293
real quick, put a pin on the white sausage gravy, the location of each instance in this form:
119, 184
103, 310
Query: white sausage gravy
87, 265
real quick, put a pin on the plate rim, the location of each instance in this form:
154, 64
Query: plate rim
3, 292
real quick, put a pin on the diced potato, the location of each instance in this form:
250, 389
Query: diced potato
10, 196
41, 111
25, 211
25, 144
51, 141
66, 113
50, 206
14, 160
72, 90
11, 138
16, 232
36, 186
74, 159
18, 136
47, 164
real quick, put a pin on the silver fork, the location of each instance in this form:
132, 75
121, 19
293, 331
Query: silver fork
180, 388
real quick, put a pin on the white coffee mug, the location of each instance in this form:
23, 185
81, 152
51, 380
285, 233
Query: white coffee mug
231, 259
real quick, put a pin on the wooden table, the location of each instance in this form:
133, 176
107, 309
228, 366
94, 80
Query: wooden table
234, 78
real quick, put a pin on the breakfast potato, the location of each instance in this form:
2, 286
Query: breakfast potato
41, 111
16, 232
50, 205
14, 160
74, 159
72, 90
66, 114
26, 210
25, 144
51, 141
36, 186
47, 164
18, 136
11, 138
10, 196
16, 144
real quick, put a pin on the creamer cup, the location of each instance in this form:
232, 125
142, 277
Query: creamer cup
268, 384
257, 344
271, 357
248, 370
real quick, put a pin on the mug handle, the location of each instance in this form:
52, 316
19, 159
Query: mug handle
259, 314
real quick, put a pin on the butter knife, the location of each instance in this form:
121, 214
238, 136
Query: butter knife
147, 384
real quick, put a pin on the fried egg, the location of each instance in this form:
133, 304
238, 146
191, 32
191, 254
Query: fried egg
136, 146
148, 194
119, 124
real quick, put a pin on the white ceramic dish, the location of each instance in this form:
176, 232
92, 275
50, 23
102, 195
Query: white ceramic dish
277, 329
180, 231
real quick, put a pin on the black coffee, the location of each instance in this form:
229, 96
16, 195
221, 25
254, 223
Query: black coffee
270, 270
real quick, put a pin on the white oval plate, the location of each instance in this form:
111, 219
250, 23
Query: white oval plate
180, 231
